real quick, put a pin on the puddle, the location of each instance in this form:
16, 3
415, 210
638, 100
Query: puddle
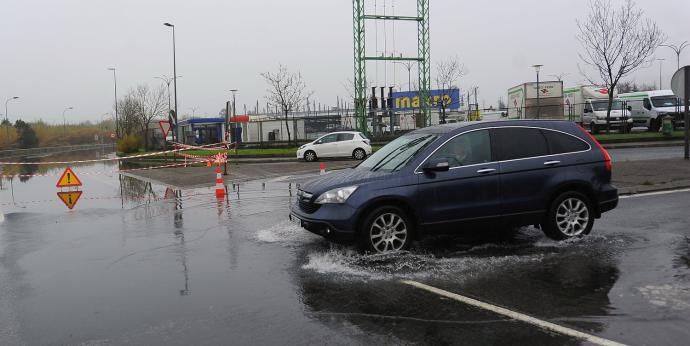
673, 297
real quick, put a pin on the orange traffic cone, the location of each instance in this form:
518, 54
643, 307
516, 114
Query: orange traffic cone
208, 163
220, 189
322, 168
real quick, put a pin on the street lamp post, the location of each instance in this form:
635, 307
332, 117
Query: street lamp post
7, 128
64, 121
176, 130
117, 128
660, 64
677, 49
537, 68
408, 66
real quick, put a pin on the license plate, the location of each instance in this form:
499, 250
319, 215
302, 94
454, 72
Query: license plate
295, 220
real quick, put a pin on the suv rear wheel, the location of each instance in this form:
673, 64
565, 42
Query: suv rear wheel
571, 215
386, 229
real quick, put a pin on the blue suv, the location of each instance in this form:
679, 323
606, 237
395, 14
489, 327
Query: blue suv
460, 177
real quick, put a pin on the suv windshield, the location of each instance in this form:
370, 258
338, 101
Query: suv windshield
602, 105
397, 153
665, 101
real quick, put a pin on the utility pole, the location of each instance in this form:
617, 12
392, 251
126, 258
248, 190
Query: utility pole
117, 127
176, 133
7, 127
64, 122
537, 68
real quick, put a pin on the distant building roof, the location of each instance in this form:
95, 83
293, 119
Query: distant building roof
216, 120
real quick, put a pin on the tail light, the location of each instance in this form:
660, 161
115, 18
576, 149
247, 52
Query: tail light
607, 157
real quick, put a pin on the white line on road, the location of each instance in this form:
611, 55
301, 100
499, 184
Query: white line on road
647, 194
514, 315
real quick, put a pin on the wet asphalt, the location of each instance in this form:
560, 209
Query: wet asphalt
136, 264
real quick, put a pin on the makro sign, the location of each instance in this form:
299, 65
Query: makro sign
409, 100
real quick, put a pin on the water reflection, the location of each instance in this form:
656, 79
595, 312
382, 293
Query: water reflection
567, 283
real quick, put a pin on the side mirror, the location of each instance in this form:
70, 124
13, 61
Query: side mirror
437, 165
629, 108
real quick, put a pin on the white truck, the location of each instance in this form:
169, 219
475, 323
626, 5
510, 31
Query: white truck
543, 100
587, 104
650, 107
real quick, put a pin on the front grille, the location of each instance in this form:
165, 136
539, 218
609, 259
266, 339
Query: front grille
306, 203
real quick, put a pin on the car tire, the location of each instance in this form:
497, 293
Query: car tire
359, 154
386, 229
570, 215
654, 125
594, 128
310, 156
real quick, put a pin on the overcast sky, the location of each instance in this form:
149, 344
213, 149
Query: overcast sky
55, 54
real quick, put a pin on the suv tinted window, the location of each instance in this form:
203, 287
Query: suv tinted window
519, 143
345, 137
467, 149
560, 143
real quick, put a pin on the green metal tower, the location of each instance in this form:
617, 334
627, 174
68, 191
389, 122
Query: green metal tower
360, 58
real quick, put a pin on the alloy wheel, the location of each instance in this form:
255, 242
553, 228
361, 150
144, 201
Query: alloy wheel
572, 217
388, 233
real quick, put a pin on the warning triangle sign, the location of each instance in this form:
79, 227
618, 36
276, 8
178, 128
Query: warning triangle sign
68, 178
69, 198
165, 127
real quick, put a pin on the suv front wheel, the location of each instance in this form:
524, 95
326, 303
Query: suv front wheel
386, 229
570, 215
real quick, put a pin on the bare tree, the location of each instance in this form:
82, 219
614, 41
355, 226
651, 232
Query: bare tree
286, 90
447, 74
616, 41
152, 104
128, 121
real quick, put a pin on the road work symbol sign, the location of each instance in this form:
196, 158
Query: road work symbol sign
68, 179
69, 198
165, 127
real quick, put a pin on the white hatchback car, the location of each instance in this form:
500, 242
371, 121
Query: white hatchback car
337, 144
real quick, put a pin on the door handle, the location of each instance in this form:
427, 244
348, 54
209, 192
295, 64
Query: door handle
551, 163
486, 170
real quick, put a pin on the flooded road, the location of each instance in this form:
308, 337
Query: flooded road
137, 263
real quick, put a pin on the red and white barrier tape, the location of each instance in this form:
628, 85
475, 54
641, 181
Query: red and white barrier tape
207, 146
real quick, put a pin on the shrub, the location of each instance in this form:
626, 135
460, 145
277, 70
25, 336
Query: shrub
129, 144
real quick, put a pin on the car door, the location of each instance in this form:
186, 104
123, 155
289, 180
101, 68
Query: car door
345, 145
325, 147
468, 191
526, 172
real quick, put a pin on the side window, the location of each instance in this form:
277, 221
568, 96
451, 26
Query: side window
646, 104
467, 149
519, 143
588, 108
560, 143
345, 137
329, 139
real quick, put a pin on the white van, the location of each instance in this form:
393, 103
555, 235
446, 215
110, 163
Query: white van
650, 107
588, 104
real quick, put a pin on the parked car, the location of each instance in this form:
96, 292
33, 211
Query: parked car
464, 177
337, 144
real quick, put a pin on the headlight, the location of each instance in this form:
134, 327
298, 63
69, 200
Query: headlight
339, 195
302, 147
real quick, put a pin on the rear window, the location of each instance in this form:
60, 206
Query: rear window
519, 143
561, 143
345, 137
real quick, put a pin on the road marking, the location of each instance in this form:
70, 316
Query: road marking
647, 194
514, 315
